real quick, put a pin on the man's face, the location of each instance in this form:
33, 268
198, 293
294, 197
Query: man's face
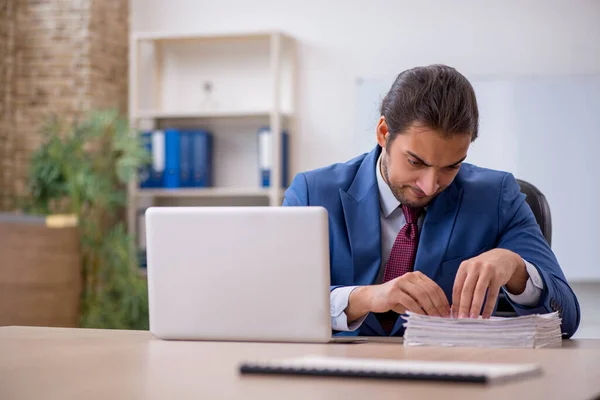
420, 163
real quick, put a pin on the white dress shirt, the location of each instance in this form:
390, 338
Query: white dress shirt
392, 220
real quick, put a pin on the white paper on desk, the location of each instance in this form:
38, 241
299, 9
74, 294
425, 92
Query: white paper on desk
529, 331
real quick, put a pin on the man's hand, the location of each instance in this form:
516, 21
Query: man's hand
486, 272
412, 291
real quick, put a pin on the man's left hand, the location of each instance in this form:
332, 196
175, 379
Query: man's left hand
487, 272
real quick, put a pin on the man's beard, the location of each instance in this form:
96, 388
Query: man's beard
399, 191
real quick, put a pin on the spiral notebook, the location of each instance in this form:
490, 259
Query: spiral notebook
393, 369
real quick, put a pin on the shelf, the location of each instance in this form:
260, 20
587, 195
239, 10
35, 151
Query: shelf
174, 37
205, 192
155, 114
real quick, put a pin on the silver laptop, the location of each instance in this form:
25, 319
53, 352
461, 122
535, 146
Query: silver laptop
239, 273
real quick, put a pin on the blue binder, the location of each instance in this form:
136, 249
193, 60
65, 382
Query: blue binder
186, 151
152, 175
158, 158
264, 157
285, 152
172, 159
202, 158
145, 172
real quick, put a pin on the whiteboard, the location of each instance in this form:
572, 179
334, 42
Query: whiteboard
545, 130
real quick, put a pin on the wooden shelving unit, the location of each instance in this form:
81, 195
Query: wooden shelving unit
254, 79
156, 114
206, 192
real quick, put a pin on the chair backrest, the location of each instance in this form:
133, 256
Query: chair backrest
540, 207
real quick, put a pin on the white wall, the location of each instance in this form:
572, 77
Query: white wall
341, 42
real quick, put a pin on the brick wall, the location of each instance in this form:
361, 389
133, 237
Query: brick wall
68, 57
3, 96
7, 67
109, 54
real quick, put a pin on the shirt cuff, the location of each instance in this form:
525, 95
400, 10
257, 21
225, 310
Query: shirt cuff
533, 288
339, 301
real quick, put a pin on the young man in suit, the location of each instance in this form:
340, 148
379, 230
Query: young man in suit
413, 227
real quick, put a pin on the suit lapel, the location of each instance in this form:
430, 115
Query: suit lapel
361, 209
436, 230
361, 214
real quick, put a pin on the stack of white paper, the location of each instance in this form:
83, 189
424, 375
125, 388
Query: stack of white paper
529, 331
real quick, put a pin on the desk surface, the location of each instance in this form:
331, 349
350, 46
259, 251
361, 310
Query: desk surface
96, 364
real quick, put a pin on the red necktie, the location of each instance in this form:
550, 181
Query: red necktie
402, 258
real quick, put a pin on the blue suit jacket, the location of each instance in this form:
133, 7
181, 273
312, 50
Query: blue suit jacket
482, 209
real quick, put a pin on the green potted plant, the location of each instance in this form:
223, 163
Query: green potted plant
82, 168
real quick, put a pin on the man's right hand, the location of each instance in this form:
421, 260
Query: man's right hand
412, 291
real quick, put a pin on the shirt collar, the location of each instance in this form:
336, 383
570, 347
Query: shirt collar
387, 200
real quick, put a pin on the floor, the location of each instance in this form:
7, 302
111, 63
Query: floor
588, 294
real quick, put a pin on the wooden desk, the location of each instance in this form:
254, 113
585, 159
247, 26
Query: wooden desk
54, 363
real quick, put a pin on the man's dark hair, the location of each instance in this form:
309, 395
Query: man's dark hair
436, 96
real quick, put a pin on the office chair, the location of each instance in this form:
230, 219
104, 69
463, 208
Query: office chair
541, 210
540, 207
